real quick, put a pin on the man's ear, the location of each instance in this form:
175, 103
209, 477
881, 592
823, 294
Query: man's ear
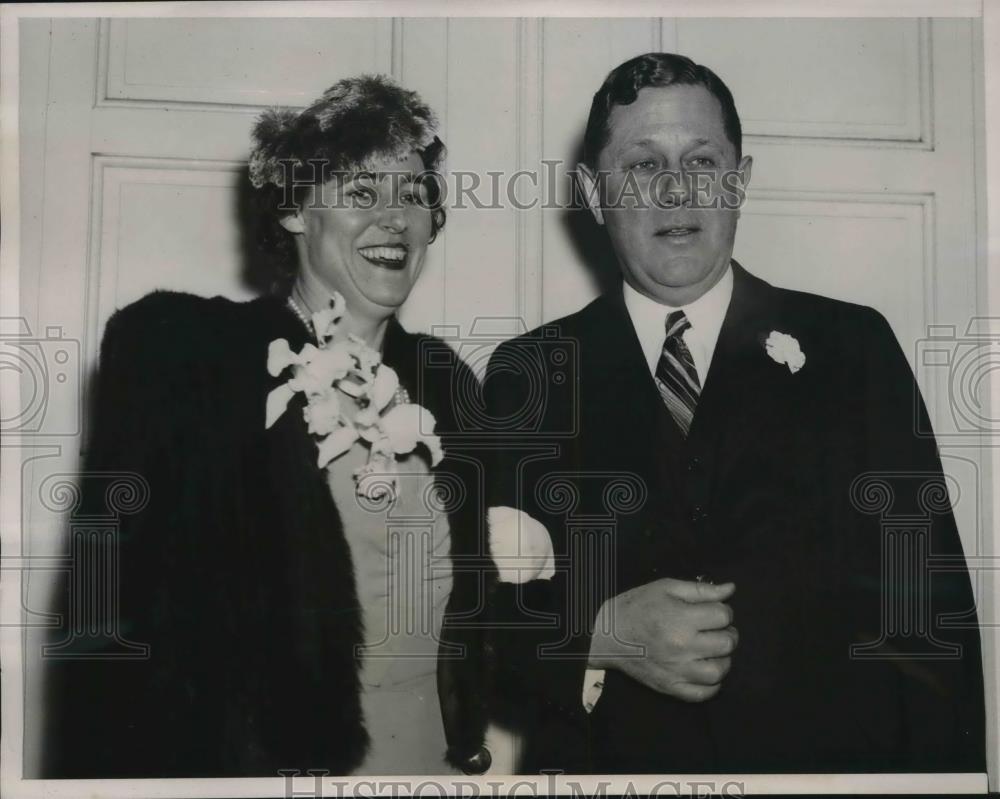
293, 223
591, 191
745, 168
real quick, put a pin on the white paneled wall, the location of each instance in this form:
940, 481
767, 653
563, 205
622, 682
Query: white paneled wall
135, 132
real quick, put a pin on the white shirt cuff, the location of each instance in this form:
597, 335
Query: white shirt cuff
593, 686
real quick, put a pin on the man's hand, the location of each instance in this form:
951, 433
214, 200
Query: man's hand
685, 629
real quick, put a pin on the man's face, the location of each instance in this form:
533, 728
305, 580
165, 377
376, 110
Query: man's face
672, 245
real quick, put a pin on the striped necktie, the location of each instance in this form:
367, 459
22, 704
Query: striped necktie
676, 377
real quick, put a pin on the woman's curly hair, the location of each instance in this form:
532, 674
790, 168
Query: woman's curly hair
355, 123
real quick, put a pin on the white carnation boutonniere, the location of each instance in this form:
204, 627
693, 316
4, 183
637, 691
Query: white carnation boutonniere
785, 349
387, 421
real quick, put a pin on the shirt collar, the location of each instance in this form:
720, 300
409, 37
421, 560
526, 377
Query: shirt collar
706, 315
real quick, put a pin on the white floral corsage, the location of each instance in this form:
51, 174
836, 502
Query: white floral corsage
785, 349
390, 429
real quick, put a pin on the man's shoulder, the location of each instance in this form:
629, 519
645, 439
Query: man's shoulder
577, 326
829, 317
839, 337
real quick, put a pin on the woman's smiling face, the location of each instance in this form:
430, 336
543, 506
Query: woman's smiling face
366, 236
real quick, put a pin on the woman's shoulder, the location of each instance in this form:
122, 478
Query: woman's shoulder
160, 309
173, 326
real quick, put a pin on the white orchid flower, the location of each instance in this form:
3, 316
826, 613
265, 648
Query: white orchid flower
433, 444
405, 425
378, 479
332, 363
336, 444
325, 321
356, 369
277, 402
280, 357
384, 386
368, 359
323, 414
367, 418
352, 389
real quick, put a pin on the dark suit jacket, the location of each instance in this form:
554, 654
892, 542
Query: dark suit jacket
760, 493
236, 573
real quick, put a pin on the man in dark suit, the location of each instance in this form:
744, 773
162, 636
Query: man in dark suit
713, 467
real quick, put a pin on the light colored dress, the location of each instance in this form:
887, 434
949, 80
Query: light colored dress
402, 566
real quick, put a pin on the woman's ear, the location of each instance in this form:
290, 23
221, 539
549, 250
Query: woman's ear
293, 223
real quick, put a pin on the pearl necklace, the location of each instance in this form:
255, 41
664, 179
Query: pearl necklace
401, 397
294, 308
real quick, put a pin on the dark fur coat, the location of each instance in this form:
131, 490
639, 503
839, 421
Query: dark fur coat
236, 573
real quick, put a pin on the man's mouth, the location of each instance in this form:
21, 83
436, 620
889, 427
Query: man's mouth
678, 231
391, 256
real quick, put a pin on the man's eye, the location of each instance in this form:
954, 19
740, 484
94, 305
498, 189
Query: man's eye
702, 162
643, 165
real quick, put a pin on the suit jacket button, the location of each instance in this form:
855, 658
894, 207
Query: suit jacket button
693, 464
697, 514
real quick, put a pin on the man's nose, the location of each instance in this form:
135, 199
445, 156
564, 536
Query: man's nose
673, 188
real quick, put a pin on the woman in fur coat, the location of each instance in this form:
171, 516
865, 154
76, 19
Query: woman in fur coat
290, 577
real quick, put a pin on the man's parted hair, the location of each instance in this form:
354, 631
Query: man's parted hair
622, 86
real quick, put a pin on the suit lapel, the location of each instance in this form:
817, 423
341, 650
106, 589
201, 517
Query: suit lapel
741, 375
627, 428
619, 389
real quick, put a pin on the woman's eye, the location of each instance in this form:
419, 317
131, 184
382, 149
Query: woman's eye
361, 196
415, 195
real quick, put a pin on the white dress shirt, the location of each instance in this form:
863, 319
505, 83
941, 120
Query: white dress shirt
649, 317
705, 314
